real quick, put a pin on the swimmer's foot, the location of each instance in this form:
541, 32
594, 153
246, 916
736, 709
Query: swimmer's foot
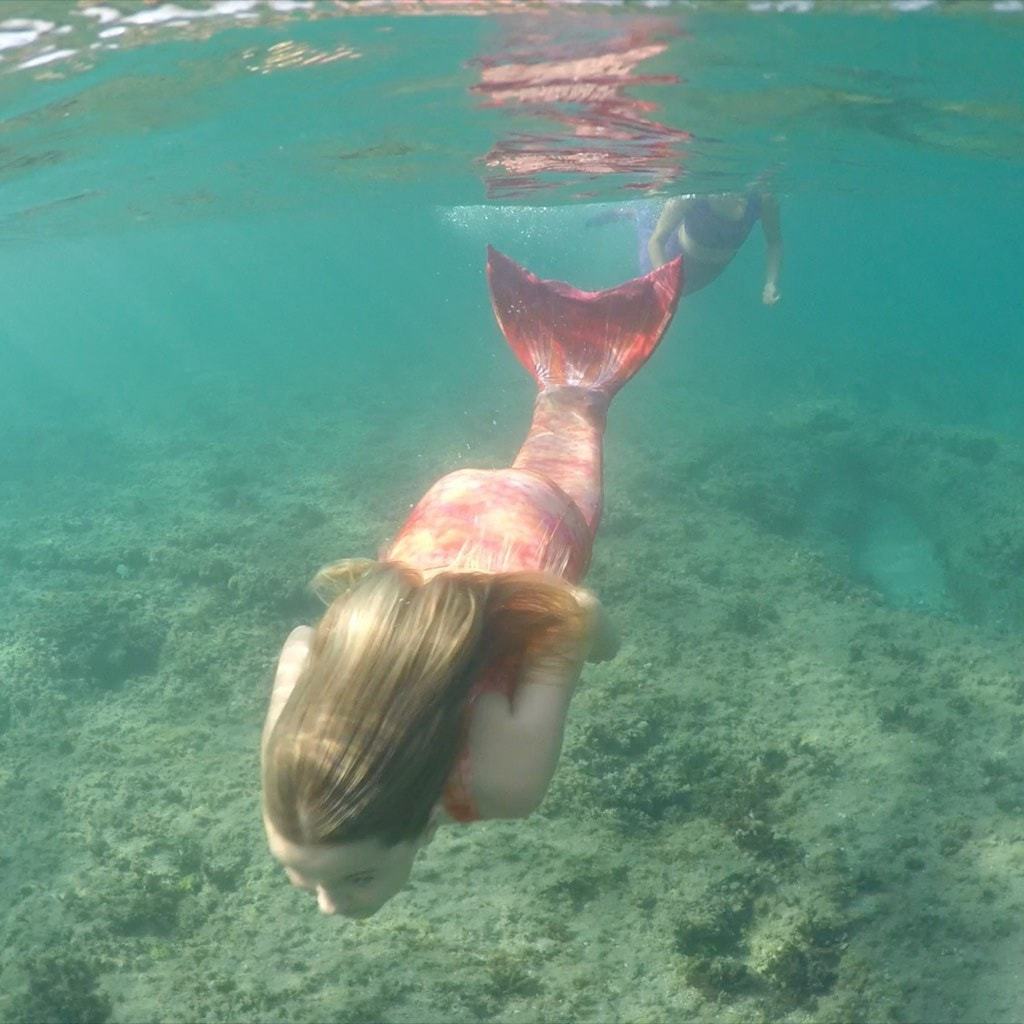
568, 337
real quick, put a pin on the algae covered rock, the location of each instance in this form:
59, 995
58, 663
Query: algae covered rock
61, 988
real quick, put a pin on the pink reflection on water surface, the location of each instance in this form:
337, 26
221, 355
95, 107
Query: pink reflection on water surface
580, 89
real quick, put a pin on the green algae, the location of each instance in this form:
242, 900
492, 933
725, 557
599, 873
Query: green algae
785, 800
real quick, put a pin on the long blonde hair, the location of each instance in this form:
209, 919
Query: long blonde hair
374, 725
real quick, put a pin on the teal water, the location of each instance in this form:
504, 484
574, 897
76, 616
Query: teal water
245, 324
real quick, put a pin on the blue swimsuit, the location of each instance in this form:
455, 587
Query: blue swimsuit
712, 231
703, 226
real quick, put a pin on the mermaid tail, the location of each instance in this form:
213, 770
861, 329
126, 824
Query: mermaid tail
568, 337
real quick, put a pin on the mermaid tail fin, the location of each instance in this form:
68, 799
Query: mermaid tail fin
565, 336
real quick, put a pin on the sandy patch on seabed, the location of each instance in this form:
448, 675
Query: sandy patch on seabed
785, 800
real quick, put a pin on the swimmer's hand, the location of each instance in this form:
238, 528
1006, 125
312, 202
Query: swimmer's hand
770, 295
602, 637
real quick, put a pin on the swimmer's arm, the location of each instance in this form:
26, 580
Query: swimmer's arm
289, 665
602, 642
514, 747
671, 217
773, 251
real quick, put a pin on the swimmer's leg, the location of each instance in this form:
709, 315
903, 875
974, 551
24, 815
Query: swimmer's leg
580, 347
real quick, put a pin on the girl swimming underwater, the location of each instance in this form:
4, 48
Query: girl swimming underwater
436, 685
708, 231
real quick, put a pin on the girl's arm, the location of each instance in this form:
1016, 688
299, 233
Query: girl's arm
602, 636
289, 665
514, 746
671, 217
773, 251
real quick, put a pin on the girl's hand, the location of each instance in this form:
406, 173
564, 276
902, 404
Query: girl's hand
770, 295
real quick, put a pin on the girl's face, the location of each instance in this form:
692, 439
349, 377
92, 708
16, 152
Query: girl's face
352, 879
